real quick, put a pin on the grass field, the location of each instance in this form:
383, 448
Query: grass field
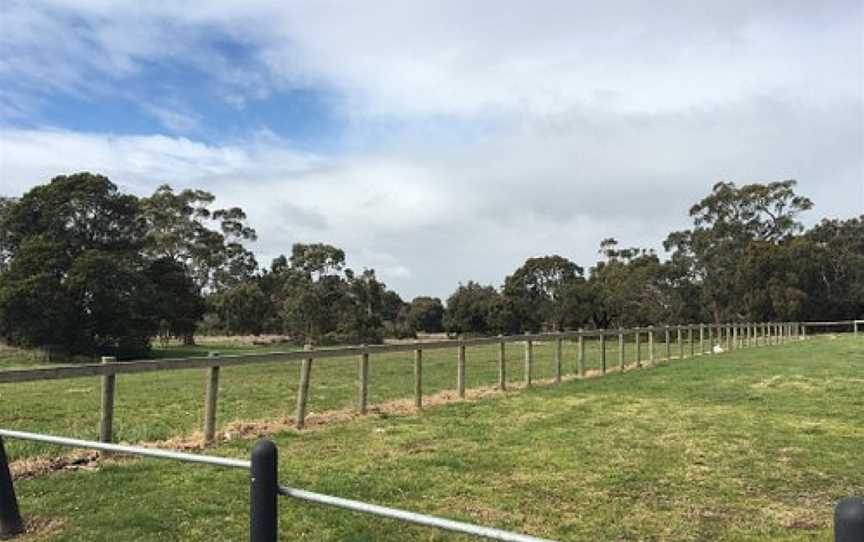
752, 445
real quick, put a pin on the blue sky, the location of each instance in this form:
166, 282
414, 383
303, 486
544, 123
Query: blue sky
439, 141
182, 97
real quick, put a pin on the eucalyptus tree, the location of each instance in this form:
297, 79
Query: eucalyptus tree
209, 244
724, 223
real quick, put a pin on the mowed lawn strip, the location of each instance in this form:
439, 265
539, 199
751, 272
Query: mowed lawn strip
753, 445
168, 404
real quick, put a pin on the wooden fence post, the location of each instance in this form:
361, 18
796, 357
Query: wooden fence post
460, 368
106, 421
363, 381
651, 345
303, 388
854, 329
680, 342
710, 338
621, 356
502, 364
580, 359
638, 347
418, 378
728, 329
668, 343
690, 340
558, 347
603, 351
529, 361
211, 399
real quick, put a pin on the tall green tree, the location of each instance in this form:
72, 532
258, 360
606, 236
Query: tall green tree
75, 277
630, 287
831, 257
426, 314
176, 298
210, 243
725, 222
468, 308
6, 205
534, 289
313, 290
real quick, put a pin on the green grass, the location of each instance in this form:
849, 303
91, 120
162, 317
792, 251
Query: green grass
752, 445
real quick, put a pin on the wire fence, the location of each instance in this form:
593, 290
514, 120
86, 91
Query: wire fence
327, 376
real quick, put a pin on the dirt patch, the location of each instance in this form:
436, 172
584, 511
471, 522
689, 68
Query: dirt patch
39, 528
32, 468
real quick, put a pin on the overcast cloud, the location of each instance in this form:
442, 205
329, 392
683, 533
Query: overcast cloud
471, 135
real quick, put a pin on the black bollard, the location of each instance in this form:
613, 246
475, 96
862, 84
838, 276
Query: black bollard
264, 492
10, 517
849, 520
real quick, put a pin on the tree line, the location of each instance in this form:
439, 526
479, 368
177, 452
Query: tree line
86, 269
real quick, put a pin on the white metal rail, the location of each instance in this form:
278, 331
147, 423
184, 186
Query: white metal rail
319, 498
410, 517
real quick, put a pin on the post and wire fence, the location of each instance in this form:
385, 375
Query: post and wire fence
700, 339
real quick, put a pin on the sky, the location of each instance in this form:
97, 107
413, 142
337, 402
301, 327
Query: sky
442, 141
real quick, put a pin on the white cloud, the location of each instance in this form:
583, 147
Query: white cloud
175, 120
457, 58
481, 133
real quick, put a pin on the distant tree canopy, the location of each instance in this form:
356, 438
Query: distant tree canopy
88, 270
313, 297
426, 314
747, 258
